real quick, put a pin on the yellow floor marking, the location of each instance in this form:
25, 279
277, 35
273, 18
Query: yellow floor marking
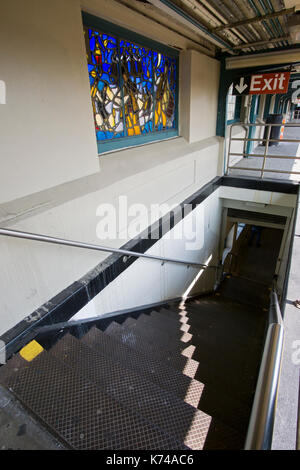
31, 350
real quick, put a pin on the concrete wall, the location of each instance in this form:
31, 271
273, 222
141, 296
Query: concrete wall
46, 135
35, 272
148, 281
204, 86
50, 179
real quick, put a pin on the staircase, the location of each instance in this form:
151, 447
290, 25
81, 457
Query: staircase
181, 377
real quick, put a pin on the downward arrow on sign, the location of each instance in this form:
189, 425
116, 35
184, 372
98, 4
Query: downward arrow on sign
242, 86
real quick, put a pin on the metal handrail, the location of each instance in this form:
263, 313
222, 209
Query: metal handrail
89, 246
266, 139
232, 255
264, 124
298, 419
261, 425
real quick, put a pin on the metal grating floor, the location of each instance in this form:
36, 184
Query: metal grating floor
167, 353
173, 416
144, 364
164, 327
80, 412
132, 387
170, 323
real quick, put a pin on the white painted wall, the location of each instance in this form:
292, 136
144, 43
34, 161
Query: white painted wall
204, 85
50, 180
148, 281
260, 200
35, 272
46, 132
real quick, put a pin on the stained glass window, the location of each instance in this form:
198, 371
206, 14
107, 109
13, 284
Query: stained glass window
133, 90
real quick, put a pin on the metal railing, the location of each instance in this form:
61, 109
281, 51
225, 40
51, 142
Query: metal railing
260, 430
298, 418
88, 246
233, 261
265, 140
261, 424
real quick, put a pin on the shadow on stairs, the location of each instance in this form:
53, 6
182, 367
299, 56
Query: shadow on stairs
181, 377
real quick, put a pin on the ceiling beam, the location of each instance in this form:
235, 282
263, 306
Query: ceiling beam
180, 15
256, 19
288, 56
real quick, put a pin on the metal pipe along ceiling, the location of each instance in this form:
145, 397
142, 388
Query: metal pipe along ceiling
189, 19
233, 26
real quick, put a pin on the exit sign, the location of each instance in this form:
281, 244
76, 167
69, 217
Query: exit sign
262, 84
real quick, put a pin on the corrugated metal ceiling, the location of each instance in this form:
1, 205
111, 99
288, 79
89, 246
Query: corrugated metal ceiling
235, 26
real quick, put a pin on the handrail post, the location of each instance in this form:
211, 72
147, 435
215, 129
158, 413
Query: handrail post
229, 148
266, 150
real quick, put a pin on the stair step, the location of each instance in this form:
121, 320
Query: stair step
214, 357
150, 347
222, 306
239, 381
231, 410
179, 383
221, 340
217, 300
219, 333
156, 328
174, 315
179, 316
154, 332
191, 391
169, 323
246, 291
158, 407
202, 331
213, 351
80, 412
216, 317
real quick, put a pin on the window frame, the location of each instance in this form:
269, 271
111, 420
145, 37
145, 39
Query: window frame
121, 143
